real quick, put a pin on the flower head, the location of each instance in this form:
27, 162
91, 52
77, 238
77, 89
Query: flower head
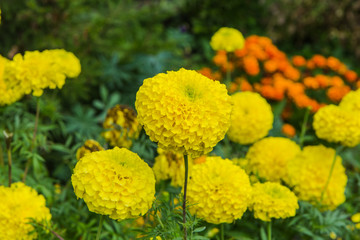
19, 204
336, 124
272, 200
351, 101
309, 171
114, 182
218, 190
228, 39
121, 126
269, 156
251, 118
35, 71
184, 111
89, 146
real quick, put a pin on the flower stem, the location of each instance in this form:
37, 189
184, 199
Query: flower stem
1, 156
337, 150
303, 127
184, 200
8, 139
269, 230
100, 227
222, 231
33, 143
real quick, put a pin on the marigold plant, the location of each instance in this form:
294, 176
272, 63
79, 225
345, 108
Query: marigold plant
251, 118
20, 204
114, 182
184, 111
268, 157
228, 39
218, 190
89, 146
308, 173
272, 200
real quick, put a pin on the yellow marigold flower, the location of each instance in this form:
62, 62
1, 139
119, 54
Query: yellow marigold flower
10, 87
114, 182
122, 126
336, 124
351, 101
19, 203
309, 171
89, 146
251, 118
184, 111
218, 190
268, 157
272, 200
169, 165
356, 219
36, 70
228, 39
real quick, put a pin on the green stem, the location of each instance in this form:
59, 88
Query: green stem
10, 165
228, 72
222, 234
269, 230
303, 127
8, 139
337, 150
33, 143
184, 200
100, 227
1, 156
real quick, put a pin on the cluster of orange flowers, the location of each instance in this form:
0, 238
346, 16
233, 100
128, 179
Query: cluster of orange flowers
270, 73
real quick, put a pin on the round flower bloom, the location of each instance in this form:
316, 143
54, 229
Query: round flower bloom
268, 157
184, 111
218, 190
272, 200
19, 203
169, 165
351, 101
309, 171
251, 118
122, 126
89, 146
336, 124
288, 130
35, 71
228, 39
356, 220
114, 182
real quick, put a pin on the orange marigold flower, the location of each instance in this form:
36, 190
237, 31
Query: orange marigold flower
298, 61
241, 52
257, 51
233, 87
292, 73
319, 60
342, 69
220, 58
310, 82
322, 80
336, 93
351, 76
264, 41
333, 63
336, 81
251, 65
270, 66
271, 92
244, 85
288, 130
295, 89
310, 64
207, 72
